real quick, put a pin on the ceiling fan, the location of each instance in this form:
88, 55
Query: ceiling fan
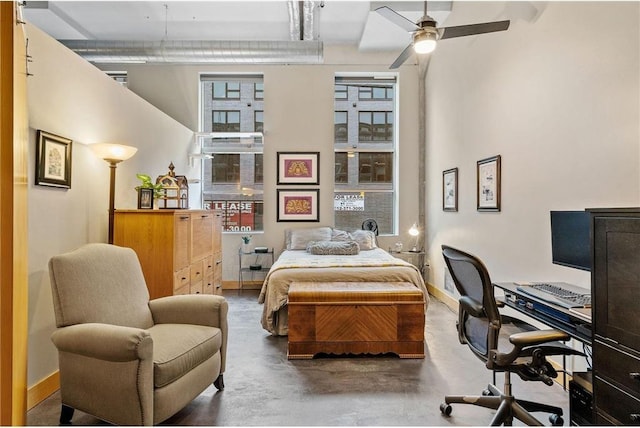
426, 34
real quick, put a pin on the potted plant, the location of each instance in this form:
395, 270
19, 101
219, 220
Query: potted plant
245, 244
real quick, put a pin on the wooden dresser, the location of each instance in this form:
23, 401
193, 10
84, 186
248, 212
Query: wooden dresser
180, 250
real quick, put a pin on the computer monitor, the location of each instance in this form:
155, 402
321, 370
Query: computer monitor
570, 239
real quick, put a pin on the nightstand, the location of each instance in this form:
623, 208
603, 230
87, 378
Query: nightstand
414, 257
253, 262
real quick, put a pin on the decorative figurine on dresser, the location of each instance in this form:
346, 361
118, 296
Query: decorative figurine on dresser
175, 190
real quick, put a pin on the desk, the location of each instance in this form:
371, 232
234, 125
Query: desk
552, 315
558, 317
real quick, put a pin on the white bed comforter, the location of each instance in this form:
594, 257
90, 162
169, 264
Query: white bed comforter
299, 266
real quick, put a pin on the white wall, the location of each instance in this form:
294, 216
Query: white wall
298, 116
69, 97
557, 96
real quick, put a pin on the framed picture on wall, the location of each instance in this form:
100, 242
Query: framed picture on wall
298, 168
298, 205
488, 179
53, 160
450, 190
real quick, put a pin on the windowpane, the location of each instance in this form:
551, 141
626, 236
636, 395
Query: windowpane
364, 93
340, 92
226, 121
258, 123
225, 168
258, 91
363, 205
375, 126
237, 215
342, 168
219, 89
257, 169
340, 126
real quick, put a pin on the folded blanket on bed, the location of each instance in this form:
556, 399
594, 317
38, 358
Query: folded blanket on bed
333, 248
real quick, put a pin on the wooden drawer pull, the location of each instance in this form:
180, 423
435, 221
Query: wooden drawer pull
184, 217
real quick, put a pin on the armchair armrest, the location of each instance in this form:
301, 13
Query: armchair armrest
104, 342
196, 309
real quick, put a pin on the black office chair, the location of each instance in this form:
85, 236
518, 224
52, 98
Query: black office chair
504, 343
370, 224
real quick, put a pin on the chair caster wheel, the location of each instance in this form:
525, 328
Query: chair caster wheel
556, 420
445, 409
486, 393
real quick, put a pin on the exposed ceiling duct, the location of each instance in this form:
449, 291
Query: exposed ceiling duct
301, 19
198, 51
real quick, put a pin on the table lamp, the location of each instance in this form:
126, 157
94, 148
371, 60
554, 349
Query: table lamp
414, 231
113, 154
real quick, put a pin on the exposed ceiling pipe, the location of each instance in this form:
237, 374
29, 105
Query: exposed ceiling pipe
308, 20
301, 19
198, 51
293, 6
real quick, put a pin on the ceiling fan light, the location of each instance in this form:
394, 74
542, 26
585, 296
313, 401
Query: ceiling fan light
424, 42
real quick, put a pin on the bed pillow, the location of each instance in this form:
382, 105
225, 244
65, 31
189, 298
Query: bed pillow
340, 235
333, 248
366, 239
297, 239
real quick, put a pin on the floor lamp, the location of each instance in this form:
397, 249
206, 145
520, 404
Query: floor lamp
113, 154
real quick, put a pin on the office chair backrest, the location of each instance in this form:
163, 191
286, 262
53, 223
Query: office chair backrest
478, 318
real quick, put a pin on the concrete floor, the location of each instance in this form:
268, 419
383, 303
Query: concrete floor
264, 388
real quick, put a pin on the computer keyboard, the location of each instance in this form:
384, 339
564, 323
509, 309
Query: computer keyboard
562, 294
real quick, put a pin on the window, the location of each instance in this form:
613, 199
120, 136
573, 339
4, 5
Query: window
342, 167
375, 126
341, 128
375, 93
226, 121
258, 121
257, 168
258, 91
232, 167
341, 92
375, 167
118, 76
226, 90
225, 168
365, 152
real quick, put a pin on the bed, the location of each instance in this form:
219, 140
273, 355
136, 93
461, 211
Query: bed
298, 264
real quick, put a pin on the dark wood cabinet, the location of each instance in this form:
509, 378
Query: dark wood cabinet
615, 282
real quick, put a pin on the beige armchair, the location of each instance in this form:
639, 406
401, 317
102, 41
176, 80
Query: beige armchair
123, 358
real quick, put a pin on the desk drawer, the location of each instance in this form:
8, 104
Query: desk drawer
615, 402
620, 367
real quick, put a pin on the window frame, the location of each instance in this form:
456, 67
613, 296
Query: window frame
387, 183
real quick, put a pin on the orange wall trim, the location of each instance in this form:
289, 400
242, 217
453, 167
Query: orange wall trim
43, 389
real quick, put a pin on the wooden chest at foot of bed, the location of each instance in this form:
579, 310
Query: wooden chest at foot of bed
355, 318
